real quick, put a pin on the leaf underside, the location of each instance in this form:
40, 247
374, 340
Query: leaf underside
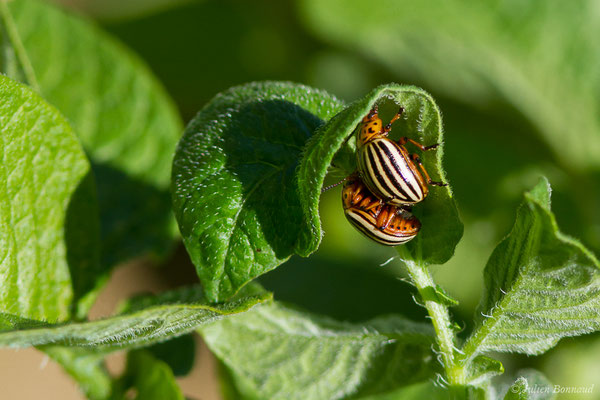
156, 318
275, 352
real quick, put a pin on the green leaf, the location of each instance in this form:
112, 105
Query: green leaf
422, 122
228, 385
178, 353
437, 294
86, 366
432, 391
484, 52
518, 390
276, 352
116, 10
162, 317
540, 285
151, 378
235, 189
417, 391
125, 120
48, 215
482, 369
530, 385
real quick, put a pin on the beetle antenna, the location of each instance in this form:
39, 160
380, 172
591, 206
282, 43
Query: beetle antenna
326, 188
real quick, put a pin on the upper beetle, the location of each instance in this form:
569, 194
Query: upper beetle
386, 167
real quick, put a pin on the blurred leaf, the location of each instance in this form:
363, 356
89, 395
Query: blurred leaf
151, 378
345, 288
280, 353
574, 363
112, 10
540, 285
421, 121
539, 56
122, 115
429, 390
165, 316
235, 188
530, 385
228, 385
178, 353
48, 216
518, 390
258, 40
416, 391
86, 366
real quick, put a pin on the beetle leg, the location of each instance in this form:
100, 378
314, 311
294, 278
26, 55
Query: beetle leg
388, 127
403, 140
374, 204
385, 217
356, 196
417, 159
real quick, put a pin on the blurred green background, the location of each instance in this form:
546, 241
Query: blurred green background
518, 82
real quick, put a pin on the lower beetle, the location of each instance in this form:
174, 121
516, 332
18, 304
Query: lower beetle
383, 223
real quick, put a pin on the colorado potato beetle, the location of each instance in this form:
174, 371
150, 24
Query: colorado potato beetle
385, 165
383, 223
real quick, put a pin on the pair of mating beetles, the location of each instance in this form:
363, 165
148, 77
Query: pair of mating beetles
378, 197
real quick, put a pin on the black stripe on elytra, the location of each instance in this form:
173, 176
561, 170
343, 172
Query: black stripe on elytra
393, 238
394, 162
377, 171
365, 230
397, 189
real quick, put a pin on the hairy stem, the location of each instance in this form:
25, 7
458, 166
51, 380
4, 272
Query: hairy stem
440, 318
15, 40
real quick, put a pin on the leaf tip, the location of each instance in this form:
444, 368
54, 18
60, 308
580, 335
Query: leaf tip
541, 193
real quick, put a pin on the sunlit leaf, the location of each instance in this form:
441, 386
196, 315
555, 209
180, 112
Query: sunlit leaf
49, 242
235, 187
123, 117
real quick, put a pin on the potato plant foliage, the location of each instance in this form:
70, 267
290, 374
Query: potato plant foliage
86, 185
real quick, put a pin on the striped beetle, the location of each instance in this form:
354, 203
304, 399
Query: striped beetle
385, 165
383, 223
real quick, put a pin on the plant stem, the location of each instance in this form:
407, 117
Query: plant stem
440, 318
15, 39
